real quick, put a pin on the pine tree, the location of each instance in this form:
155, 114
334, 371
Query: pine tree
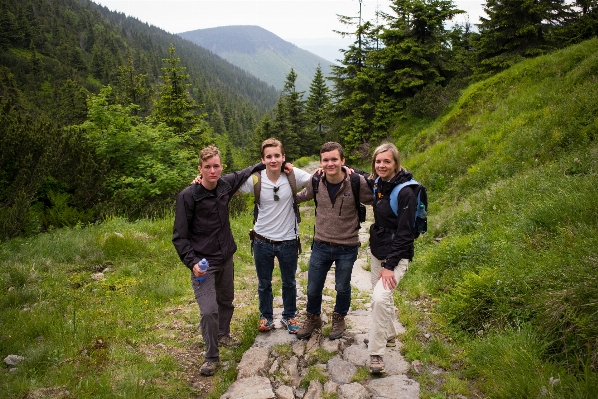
174, 105
515, 30
290, 119
318, 107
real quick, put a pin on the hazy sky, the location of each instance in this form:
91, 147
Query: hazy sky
288, 19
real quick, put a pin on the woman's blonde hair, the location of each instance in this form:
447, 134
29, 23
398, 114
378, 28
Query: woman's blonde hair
383, 148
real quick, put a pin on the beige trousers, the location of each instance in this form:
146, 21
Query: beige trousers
383, 308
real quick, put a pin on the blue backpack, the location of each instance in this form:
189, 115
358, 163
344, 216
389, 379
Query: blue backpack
420, 224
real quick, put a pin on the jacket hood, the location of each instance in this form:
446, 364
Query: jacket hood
401, 177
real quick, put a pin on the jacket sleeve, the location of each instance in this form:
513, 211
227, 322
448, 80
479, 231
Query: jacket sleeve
236, 179
402, 245
181, 235
307, 193
366, 195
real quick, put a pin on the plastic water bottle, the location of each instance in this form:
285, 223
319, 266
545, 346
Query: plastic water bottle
421, 223
203, 265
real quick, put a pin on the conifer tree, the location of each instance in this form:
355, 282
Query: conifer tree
290, 119
318, 107
174, 105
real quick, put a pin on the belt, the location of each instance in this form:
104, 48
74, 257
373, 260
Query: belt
332, 244
261, 237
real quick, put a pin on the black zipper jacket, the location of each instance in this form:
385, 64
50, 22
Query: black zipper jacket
392, 236
201, 224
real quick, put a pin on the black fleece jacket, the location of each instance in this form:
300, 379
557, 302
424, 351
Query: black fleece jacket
392, 236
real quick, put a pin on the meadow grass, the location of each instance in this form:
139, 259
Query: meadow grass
508, 269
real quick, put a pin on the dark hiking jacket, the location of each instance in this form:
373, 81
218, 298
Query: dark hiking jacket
201, 224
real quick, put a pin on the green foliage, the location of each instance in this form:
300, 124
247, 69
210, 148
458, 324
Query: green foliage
145, 163
510, 262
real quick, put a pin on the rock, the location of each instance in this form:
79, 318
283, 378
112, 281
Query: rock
394, 362
418, 366
285, 392
330, 345
357, 354
299, 348
13, 360
250, 388
254, 361
97, 276
314, 391
394, 387
353, 391
274, 367
341, 370
292, 368
314, 342
330, 387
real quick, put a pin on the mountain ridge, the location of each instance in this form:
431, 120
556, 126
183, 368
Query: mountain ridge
261, 53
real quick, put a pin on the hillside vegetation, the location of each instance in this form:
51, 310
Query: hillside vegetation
261, 53
502, 295
509, 267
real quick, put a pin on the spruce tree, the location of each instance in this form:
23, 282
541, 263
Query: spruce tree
318, 107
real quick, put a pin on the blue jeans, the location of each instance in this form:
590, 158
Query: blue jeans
322, 256
286, 253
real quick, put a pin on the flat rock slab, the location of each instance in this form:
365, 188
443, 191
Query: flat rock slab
394, 362
394, 387
255, 361
357, 354
361, 278
250, 388
353, 391
341, 370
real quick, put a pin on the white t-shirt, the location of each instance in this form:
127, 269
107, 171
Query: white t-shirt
276, 219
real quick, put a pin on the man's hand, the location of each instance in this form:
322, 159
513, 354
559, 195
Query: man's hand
197, 180
287, 167
197, 272
388, 279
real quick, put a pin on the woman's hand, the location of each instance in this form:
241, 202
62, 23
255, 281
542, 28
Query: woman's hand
388, 279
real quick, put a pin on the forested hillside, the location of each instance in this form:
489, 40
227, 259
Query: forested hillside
261, 53
55, 56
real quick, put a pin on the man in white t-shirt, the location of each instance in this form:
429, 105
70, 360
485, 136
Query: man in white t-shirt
275, 234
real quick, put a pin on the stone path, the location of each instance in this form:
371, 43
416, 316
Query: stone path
280, 366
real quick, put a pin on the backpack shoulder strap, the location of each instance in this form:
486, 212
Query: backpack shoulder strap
293, 183
394, 195
257, 189
355, 183
315, 183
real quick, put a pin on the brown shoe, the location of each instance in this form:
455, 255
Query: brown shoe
228, 341
376, 364
338, 326
312, 321
208, 368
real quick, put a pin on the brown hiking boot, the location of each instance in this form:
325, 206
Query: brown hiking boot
312, 321
228, 341
376, 364
338, 326
208, 368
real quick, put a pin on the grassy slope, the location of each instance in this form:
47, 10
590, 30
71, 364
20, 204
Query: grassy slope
508, 269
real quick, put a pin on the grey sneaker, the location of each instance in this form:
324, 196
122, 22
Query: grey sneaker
391, 342
228, 341
312, 321
376, 364
208, 368
338, 326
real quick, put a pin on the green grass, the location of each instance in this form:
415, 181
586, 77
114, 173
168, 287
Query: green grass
507, 270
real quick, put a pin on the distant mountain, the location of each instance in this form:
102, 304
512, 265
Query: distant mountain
328, 48
261, 53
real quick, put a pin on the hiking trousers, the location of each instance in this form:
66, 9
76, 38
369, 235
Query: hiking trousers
215, 299
383, 307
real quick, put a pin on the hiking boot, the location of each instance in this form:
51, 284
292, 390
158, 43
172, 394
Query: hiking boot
376, 364
208, 368
390, 342
228, 341
338, 326
290, 324
266, 325
312, 321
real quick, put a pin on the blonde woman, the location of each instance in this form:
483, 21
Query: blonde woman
391, 245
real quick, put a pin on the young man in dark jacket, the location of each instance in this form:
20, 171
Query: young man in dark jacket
202, 230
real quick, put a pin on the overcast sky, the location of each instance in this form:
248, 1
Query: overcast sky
288, 19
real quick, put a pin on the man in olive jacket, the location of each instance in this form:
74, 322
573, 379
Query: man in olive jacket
202, 230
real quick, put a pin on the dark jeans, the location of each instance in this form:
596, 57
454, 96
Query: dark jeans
322, 256
215, 299
264, 254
